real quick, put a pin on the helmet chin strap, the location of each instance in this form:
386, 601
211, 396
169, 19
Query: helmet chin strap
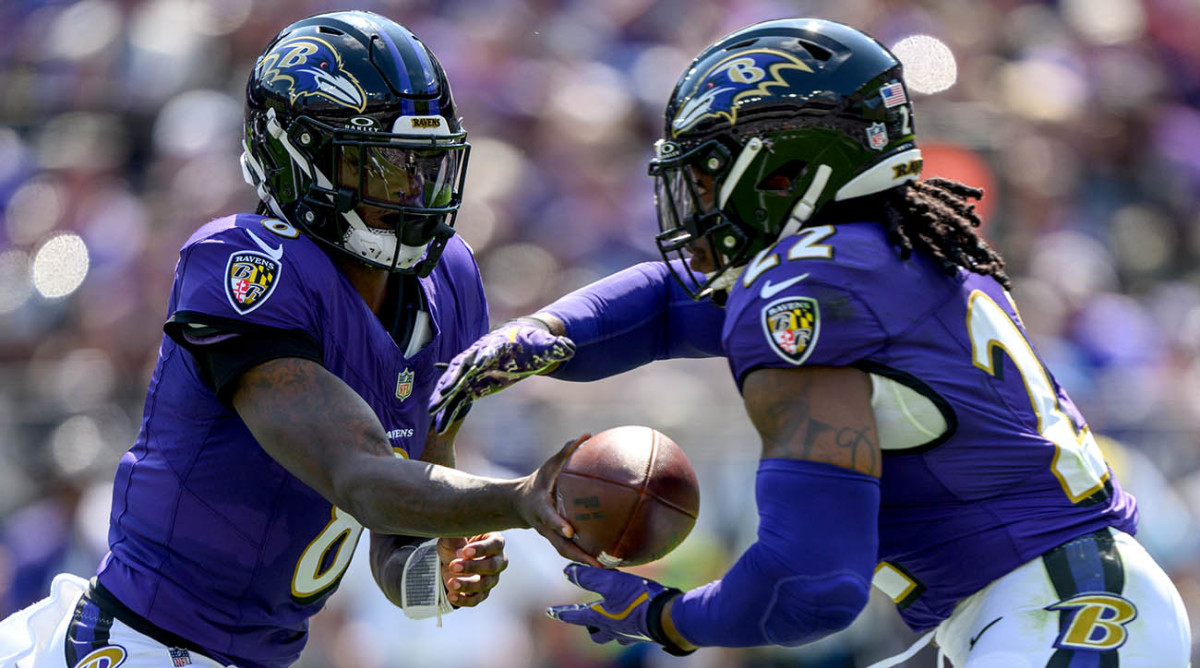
800, 213
745, 157
876, 179
808, 202
254, 174
728, 276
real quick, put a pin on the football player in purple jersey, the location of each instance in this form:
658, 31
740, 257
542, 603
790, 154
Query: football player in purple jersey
287, 410
912, 439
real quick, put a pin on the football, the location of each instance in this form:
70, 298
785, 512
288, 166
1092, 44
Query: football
631, 495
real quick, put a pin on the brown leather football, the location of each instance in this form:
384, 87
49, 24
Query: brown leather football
631, 495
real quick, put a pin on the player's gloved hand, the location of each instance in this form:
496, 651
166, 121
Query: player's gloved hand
629, 611
512, 351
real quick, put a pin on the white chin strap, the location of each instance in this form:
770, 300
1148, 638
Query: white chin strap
808, 203
375, 245
726, 280
254, 174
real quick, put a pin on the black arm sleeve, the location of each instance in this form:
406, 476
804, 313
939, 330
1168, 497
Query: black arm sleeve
224, 349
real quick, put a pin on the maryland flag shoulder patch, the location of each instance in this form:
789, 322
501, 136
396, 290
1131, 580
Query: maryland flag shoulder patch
250, 278
792, 325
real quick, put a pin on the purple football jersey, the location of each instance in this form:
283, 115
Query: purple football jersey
210, 538
1008, 469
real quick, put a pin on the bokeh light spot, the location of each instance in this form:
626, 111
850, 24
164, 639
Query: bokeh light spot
1106, 21
60, 266
34, 209
929, 65
15, 285
76, 444
1042, 89
84, 29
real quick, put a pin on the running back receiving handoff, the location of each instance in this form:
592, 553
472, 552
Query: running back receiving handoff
911, 436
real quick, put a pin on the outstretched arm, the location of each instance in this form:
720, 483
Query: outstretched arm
618, 323
631, 318
469, 568
322, 432
809, 573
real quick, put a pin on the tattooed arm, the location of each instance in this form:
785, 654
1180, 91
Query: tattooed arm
321, 431
817, 489
470, 567
822, 414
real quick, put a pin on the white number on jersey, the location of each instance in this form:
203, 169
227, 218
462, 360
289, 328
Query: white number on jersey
310, 580
804, 248
1077, 462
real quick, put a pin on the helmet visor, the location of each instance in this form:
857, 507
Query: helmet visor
396, 176
686, 193
680, 198
685, 186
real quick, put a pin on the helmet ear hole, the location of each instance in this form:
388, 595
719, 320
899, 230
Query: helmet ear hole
781, 179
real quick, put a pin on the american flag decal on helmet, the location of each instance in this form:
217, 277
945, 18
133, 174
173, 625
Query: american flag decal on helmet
893, 95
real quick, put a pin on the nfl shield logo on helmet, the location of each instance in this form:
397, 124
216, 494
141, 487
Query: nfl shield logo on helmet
877, 136
792, 325
404, 384
250, 278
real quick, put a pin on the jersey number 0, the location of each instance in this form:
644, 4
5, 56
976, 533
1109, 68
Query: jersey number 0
325, 559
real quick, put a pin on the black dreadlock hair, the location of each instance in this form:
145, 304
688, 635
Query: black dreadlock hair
936, 216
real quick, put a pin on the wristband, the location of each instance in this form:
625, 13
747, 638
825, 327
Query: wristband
422, 590
654, 623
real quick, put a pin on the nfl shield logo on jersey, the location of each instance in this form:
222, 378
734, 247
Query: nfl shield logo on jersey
792, 325
250, 278
180, 656
404, 384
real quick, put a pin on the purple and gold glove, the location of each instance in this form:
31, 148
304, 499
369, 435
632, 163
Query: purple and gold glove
629, 611
512, 351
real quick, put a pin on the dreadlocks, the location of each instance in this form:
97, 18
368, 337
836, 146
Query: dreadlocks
935, 216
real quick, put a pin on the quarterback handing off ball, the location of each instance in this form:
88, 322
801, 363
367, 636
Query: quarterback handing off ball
631, 495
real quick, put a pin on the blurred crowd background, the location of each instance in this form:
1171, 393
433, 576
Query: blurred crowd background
120, 123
